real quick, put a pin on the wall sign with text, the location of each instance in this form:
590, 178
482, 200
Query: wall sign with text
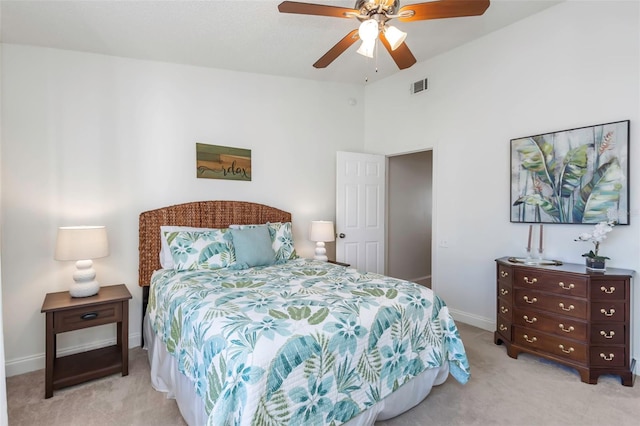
223, 162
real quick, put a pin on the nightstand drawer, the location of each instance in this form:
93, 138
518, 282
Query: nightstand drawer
83, 317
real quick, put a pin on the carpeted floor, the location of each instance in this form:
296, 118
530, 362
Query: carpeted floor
502, 391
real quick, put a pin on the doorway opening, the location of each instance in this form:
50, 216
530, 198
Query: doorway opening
409, 216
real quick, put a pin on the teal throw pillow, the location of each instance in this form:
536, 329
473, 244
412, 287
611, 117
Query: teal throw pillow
253, 246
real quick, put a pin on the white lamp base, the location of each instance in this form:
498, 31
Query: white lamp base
321, 252
85, 284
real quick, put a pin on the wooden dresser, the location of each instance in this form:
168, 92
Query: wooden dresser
566, 314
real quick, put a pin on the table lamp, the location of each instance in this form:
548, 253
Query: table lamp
82, 244
321, 231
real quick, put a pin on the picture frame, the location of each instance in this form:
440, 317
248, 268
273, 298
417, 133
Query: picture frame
223, 162
575, 176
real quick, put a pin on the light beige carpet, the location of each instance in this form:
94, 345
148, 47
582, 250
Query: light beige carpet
502, 391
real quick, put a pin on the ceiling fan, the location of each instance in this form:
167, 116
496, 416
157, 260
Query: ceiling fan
374, 15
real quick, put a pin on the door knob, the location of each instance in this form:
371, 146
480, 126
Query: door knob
341, 235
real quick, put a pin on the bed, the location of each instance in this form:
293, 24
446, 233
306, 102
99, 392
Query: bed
289, 341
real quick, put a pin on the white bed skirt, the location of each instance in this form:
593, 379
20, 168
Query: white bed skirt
165, 377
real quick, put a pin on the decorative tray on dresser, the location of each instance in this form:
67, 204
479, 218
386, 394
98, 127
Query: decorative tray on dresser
567, 314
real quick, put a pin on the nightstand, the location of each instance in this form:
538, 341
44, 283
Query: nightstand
335, 262
66, 313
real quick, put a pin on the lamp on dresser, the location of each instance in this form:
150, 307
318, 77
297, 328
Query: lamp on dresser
321, 232
82, 244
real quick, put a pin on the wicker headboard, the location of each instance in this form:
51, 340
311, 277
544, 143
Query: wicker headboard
201, 214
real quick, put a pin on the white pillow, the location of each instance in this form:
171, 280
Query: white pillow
166, 259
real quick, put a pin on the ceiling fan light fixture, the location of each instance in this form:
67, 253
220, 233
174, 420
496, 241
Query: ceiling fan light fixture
394, 36
368, 30
367, 48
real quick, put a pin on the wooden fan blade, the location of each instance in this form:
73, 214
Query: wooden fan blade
314, 9
402, 55
444, 9
336, 50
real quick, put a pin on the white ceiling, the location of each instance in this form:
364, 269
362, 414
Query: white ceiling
237, 35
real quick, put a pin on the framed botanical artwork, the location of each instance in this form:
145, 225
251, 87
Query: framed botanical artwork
223, 162
572, 176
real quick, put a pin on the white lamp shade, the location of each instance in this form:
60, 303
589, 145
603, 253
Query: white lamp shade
368, 30
81, 243
322, 230
394, 36
367, 48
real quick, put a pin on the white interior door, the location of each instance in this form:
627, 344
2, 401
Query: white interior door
360, 210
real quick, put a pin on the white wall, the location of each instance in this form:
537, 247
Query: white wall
4, 417
575, 64
91, 139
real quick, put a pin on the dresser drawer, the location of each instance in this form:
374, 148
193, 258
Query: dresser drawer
608, 311
608, 290
562, 326
82, 317
504, 289
548, 281
504, 273
608, 334
565, 348
504, 326
504, 307
605, 356
576, 308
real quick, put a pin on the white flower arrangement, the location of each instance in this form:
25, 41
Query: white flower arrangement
598, 235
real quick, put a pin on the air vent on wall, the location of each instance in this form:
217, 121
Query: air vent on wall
419, 86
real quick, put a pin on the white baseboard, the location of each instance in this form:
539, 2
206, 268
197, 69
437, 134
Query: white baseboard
27, 364
488, 324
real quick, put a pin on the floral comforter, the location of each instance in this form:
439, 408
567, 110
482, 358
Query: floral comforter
305, 342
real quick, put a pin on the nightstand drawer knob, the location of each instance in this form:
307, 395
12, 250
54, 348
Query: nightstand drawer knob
504, 274
609, 290
526, 299
89, 316
532, 281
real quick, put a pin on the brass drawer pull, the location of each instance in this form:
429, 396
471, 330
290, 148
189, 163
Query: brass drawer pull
610, 290
607, 335
526, 299
569, 287
89, 316
610, 313
504, 292
570, 308
503, 309
503, 327
566, 351
532, 281
607, 358
530, 321
566, 330
532, 340
504, 274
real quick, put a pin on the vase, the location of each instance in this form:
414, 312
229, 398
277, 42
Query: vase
595, 264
